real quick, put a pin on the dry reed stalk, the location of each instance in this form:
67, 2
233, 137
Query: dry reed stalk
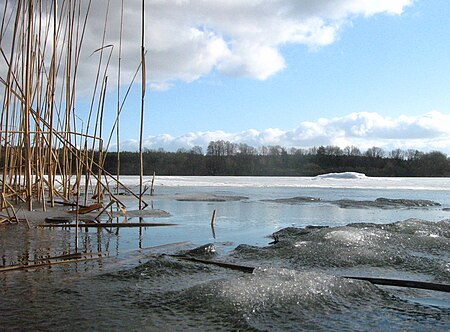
27, 104
116, 122
143, 82
118, 97
7, 101
152, 188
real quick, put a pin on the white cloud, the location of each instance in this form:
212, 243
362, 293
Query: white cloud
188, 39
430, 131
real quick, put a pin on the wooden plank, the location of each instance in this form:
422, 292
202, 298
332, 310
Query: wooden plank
59, 257
114, 225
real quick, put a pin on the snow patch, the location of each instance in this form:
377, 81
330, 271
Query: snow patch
343, 175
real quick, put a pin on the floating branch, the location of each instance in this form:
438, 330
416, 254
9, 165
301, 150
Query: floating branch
375, 281
63, 259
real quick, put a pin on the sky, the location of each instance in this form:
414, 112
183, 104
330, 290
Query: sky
295, 73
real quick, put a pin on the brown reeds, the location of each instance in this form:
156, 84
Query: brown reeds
46, 150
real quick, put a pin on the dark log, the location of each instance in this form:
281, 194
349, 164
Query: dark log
405, 283
246, 269
58, 220
68, 204
375, 281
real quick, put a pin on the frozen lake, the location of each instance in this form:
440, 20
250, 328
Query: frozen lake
297, 285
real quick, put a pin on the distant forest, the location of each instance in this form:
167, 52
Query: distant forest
227, 158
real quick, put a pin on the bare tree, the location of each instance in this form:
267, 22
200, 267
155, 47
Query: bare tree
375, 152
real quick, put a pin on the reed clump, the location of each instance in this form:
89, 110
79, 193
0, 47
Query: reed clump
47, 152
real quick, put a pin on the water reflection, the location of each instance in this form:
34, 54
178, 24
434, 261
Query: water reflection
246, 221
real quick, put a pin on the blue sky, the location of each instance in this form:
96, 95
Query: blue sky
295, 73
392, 65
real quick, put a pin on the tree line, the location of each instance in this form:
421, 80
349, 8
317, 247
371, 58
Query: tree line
227, 158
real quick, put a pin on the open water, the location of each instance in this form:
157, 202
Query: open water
297, 283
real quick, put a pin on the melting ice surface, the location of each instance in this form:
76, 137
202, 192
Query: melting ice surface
296, 285
330, 180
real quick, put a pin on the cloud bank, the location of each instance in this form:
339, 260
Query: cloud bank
188, 39
427, 132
